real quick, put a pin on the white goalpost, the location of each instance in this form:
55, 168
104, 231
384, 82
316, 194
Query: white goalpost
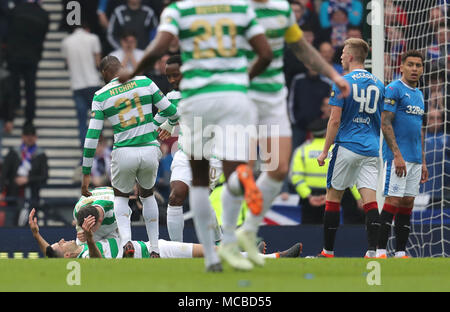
376, 20
421, 25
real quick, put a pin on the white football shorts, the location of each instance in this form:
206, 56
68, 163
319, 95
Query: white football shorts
272, 112
402, 186
134, 164
167, 249
347, 168
181, 169
219, 124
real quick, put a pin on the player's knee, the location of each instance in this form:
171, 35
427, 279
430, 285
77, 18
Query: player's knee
176, 198
334, 195
144, 193
393, 201
119, 193
407, 202
280, 173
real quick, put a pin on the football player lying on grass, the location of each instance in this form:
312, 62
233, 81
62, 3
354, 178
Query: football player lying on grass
109, 248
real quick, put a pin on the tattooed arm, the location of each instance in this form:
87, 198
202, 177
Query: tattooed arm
389, 135
307, 54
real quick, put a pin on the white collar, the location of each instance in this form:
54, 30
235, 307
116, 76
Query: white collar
406, 85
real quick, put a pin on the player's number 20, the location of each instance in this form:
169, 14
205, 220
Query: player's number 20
218, 29
364, 99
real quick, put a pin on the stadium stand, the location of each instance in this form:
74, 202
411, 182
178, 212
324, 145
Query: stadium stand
56, 123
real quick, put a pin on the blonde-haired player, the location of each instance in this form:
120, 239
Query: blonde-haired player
354, 128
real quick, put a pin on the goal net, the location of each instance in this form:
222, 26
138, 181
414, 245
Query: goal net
423, 25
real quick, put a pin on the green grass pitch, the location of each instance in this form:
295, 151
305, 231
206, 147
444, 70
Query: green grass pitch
187, 275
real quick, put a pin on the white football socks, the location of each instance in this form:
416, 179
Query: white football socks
231, 207
271, 256
218, 235
234, 185
150, 213
203, 221
175, 223
270, 189
122, 213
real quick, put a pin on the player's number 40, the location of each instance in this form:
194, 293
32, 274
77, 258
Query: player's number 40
364, 99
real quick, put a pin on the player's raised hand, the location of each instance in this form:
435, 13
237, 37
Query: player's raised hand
87, 226
321, 158
400, 166
32, 222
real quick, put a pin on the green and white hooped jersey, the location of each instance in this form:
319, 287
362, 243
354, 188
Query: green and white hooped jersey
109, 249
276, 16
128, 107
175, 97
213, 37
103, 197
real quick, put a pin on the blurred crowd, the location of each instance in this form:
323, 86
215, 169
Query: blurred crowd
124, 28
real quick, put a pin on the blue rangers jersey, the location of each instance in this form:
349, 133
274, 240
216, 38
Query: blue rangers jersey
408, 105
359, 130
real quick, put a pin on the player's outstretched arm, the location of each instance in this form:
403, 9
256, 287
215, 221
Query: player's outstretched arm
167, 111
332, 130
32, 222
307, 54
388, 132
153, 52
